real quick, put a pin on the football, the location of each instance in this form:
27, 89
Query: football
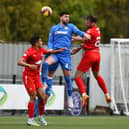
46, 11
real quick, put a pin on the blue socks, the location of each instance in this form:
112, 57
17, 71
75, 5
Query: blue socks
49, 84
44, 72
69, 85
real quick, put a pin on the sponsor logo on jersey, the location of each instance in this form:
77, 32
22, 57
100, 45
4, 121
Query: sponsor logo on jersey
61, 32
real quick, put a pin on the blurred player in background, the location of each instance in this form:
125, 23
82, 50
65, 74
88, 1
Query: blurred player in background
59, 37
31, 60
90, 59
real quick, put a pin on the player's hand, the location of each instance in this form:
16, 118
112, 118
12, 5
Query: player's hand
81, 45
63, 49
33, 67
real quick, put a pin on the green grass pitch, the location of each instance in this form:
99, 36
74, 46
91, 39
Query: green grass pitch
67, 122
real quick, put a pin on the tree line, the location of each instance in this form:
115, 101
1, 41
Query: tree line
20, 19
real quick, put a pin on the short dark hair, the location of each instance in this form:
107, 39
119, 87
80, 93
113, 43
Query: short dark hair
34, 39
63, 13
92, 18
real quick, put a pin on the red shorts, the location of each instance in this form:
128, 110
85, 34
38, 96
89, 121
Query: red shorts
31, 82
90, 59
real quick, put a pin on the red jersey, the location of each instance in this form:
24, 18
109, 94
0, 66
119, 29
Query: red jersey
33, 56
94, 42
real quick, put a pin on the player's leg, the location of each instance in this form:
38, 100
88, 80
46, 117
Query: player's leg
48, 89
36, 107
41, 99
66, 67
100, 80
102, 85
79, 81
48, 93
41, 105
83, 67
30, 87
45, 67
81, 86
68, 81
50, 81
52, 69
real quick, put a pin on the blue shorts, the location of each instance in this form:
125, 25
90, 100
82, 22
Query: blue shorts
63, 60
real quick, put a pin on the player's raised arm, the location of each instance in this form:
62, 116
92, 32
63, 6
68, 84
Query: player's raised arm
77, 31
79, 38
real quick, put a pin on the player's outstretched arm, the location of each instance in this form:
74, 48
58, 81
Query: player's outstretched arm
75, 50
51, 51
79, 38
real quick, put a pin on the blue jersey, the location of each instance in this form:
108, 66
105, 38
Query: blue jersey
60, 36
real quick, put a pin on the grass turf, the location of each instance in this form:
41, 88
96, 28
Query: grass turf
66, 122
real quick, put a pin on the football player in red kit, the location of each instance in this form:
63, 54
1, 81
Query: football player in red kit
90, 59
32, 60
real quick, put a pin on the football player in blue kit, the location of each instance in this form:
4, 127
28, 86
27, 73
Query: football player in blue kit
60, 36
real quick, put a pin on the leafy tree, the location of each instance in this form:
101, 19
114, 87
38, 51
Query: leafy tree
20, 19
113, 18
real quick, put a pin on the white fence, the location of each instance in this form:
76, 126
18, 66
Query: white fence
10, 53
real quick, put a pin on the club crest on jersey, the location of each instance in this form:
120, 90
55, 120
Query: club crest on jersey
66, 28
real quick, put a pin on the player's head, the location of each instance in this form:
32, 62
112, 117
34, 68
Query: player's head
64, 18
36, 41
91, 21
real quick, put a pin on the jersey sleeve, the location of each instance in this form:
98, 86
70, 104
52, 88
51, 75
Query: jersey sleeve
77, 31
44, 51
89, 32
50, 39
26, 55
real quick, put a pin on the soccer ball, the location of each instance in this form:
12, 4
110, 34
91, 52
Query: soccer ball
46, 11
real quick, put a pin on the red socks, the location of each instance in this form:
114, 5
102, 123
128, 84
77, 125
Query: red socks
99, 79
30, 110
41, 108
102, 84
80, 85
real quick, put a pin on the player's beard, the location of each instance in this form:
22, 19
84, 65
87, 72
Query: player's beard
65, 22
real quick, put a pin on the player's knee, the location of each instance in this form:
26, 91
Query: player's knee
78, 74
33, 97
96, 74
